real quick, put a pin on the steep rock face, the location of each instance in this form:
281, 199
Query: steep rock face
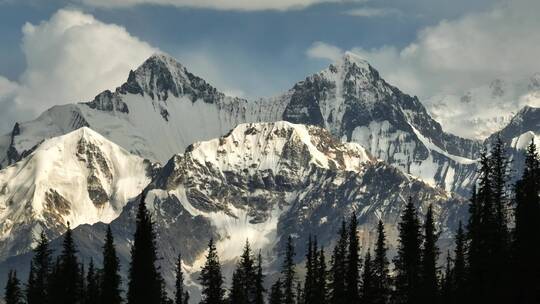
163, 108
352, 101
263, 182
78, 178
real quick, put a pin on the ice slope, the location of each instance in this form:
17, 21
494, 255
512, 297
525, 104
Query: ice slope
78, 178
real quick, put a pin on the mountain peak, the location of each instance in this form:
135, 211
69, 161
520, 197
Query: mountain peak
161, 75
350, 58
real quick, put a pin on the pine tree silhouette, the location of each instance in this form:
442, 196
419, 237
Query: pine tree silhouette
408, 259
460, 268
92, 285
276, 293
288, 272
380, 268
353, 262
259, 282
40, 271
13, 293
145, 282
110, 281
368, 280
211, 279
339, 268
430, 253
69, 276
321, 286
180, 293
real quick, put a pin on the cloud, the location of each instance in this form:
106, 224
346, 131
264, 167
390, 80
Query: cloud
458, 54
70, 58
321, 50
240, 5
369, 12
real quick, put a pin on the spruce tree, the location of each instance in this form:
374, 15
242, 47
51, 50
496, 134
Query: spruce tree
526, 245
92, 285
69, 276
211, 279
288, 272
368, 280
447, 283
353, 262
259, 282
339, 268
311, 265
380, 268
13, 293
430, 253
243, 287
408, 260
180, 293
460, 269
145, 282
321, 286
110, 282
276, 293
237, 294
40, 271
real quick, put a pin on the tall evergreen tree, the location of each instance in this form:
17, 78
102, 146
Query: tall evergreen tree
180, 293
321, 286
311, 265
368, 280
259, 282
408, 259
430, 253
288, 272
447, 283
110, 282
243, 287
13, 293
339, 269
145, 282
353, 262
55, 283
380, 268
276, 293
211, 278
460, 268
526, 245
69, 275
40, 271
92, 285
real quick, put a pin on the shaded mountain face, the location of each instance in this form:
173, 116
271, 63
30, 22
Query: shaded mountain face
77, 178
263, 182
163, 108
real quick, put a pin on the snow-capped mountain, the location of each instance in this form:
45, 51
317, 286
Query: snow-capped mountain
77, 178
162, 108
262, 182
482, 111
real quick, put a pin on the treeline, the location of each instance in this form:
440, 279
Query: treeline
496, 259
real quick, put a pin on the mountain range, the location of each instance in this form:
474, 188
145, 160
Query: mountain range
342, 140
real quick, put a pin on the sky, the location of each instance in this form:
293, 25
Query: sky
56, 52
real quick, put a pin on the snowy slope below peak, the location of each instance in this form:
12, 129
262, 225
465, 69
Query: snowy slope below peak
78, 178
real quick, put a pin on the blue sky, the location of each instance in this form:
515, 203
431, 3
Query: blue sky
248, 48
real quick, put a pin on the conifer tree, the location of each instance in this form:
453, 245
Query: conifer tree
368, 280
460, 269
527, 225
380, 268
339, 268
92, 285
110, 281
145, 282
311, 265
69, 276
244, 287
408, 259
211, 279
55, 283
180, 293
430, 253
276, 293
447, 283
40, 271
353, 262
321, 286
259, 282
13, 293
288, 272
237, 294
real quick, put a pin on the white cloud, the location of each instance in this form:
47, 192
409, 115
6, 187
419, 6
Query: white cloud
71, 58
456, 57
321, 50
240, 5
369, 12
